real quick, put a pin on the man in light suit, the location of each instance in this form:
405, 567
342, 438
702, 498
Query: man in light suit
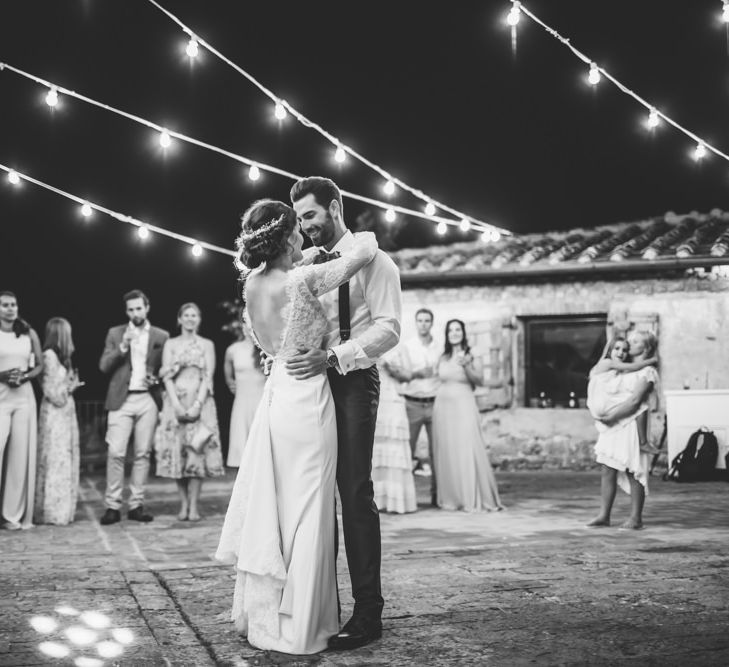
132, 356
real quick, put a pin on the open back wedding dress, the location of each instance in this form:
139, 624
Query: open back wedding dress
279, 527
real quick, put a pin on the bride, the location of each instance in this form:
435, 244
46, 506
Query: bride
280, 524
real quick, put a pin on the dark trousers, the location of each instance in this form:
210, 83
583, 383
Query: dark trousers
356, 396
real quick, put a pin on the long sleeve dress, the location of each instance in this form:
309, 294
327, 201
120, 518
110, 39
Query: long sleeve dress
279, 527
57, 478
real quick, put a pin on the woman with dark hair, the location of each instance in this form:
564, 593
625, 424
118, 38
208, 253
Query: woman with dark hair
20, 362
465, 478
279, 530
187, 440
57, 479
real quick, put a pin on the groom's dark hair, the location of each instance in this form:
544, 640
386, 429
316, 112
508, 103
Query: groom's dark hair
323, 189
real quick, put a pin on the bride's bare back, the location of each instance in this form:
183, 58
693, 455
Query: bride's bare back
266, 297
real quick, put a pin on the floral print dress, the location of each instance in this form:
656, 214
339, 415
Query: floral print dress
57, 476
176, 443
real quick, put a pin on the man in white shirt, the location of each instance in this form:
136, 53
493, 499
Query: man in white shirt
132, 356
364, 320
420, 359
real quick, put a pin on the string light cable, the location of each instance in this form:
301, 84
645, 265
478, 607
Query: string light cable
596, 73
143, 228
166, 136
341, 149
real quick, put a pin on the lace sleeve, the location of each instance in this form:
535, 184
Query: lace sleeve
321, 278
55, 387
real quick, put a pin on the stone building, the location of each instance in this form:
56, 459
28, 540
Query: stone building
538, 309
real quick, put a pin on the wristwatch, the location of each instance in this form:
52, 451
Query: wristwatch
331, 358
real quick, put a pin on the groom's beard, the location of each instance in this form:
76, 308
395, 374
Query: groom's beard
324, 234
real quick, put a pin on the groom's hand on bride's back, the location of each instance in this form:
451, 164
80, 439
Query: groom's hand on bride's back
307, 363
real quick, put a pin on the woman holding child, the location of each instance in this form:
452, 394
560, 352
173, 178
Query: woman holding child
620, 386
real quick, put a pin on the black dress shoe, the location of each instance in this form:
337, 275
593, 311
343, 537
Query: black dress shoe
358, 631
110, 516
138, 514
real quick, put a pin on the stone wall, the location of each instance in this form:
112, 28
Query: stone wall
692, 319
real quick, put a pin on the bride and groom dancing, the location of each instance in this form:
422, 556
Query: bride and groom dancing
315, 424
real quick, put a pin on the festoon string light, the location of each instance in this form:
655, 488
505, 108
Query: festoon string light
596, 73
165, 137
87, 208
341, 151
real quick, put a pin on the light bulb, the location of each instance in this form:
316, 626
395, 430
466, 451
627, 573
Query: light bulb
340, 155
512, 18
86, 210
254, 173
389, 188
699, 151
486, 236
192, 48
52, 97
593, 77
13, 177
654, 120
495, 234
143, 232
430, 208
464, 225
390, 215
164, 139
197, 250
725, 12
280, 111
441, 228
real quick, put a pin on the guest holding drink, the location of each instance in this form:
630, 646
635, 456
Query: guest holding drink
20, 362
58, 437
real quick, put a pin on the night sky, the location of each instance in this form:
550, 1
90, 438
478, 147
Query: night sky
430, 91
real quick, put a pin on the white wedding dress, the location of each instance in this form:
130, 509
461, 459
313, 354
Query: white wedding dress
279, 527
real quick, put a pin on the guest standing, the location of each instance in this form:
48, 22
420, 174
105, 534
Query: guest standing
392, 474
187, 441
621, 447
420, 361
466, 479
57, 479
132, 356
245, 379
20, 361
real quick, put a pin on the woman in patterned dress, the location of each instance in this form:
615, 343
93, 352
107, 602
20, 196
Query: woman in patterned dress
57, 477
187, 440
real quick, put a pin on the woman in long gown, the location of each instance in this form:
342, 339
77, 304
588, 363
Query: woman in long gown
621, 444
57, 479
466, 479
279, 527
187, 440
20, 361
245, 380
392, 470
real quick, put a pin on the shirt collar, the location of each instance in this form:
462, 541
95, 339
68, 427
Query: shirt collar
146, 326
345, 243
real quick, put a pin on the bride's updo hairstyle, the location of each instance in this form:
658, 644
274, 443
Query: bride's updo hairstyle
266, 227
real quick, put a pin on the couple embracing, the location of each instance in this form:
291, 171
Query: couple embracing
323, 316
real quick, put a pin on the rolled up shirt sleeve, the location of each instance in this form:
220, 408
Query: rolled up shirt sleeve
383, 298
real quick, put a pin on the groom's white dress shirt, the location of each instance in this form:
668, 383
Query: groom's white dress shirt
375, 311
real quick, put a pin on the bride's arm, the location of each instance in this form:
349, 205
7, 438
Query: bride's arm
322, 278
629, 405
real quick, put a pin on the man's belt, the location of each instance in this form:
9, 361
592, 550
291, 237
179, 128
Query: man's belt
138, 391
419, 399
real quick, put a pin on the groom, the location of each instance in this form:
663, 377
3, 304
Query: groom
364, 321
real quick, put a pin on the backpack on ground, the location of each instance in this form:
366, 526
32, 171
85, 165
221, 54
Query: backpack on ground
697, 462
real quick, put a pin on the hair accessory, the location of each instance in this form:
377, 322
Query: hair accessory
247, 236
